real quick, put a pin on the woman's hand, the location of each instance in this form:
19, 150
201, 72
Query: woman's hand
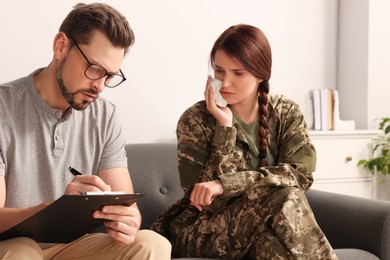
204, 193
223, 115
122, 222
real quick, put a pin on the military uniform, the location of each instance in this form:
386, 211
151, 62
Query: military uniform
263, 213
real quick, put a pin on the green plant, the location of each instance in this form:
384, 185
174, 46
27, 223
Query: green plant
380, 160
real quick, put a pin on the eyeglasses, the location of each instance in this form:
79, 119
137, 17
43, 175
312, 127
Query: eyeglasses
96, 72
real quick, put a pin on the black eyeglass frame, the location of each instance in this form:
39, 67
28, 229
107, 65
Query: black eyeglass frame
90, 64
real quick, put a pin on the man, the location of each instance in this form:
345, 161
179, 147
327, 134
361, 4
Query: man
53, 119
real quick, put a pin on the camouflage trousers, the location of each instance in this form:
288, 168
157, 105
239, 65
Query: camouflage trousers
280, 225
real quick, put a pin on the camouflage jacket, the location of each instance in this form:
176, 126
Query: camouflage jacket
212, 151
207, 151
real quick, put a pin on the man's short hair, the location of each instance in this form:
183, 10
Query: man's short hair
85, 19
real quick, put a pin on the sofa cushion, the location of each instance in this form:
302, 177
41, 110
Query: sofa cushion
354, 254
156, 176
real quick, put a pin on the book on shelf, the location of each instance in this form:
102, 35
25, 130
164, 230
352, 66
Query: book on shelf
316, 109
323, 109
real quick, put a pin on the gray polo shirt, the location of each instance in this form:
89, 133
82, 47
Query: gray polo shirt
37, 146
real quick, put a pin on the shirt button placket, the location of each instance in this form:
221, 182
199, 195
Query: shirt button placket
58, 142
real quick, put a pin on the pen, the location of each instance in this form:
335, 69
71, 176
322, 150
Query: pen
74, 171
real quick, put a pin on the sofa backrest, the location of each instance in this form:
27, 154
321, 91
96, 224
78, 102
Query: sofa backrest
153, 170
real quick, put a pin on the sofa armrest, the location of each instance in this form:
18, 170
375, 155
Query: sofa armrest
353, 222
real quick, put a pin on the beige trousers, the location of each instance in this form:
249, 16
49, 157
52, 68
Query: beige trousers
147, 245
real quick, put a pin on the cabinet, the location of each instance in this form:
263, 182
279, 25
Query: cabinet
338, 153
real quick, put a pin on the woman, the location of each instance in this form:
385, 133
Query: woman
244, 168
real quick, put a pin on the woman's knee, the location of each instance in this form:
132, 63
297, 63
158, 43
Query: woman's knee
20, 248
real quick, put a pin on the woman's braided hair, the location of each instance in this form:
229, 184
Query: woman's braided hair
249, 46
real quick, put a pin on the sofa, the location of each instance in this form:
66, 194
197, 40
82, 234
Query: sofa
357, 228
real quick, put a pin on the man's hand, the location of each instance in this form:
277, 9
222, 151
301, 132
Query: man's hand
205, 192
122, 222
84, 183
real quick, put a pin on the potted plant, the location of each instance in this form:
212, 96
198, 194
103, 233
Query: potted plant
380, 160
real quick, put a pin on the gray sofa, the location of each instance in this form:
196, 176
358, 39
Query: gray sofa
357, 228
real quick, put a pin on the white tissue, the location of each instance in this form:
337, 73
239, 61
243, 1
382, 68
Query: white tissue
216, 85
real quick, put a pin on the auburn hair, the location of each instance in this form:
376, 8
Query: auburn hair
250, 47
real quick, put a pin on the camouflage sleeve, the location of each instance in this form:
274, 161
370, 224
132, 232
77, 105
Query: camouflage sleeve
293, 151
222, 149
256, 184
203, 149
295, 148
192, 147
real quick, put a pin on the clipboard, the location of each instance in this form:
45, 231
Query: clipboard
68, 218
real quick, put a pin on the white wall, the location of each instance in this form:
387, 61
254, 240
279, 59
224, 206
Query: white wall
352, 60
364, 61
378, 62
167, 66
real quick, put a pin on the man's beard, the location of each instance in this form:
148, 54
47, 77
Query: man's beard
69, 96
